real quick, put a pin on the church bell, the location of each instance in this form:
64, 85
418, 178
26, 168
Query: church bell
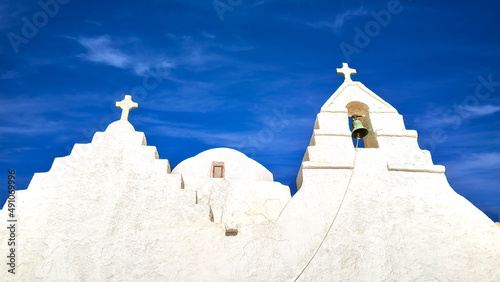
358, 130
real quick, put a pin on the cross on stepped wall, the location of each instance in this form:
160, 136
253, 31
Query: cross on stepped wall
346, 71
126, 105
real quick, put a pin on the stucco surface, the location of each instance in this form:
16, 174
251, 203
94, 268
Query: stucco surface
112, 211
236, 165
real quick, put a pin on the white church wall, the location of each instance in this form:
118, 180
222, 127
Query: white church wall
333, 122
237, 202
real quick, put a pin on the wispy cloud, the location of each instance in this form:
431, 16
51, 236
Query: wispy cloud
208, 35
480, 111
9, 75
240, 140
104, 50
21, 149
46, 104
31, 117
33, 127
481, 161
191, 96
455, 115
474, 175
340, 19
196, 56
209, 137
93, 22
192, 55
100, 50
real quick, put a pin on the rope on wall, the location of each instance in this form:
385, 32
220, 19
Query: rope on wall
336, 214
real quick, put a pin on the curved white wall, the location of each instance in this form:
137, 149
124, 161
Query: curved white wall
236, 165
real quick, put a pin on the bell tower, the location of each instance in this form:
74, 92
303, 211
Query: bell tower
387, 144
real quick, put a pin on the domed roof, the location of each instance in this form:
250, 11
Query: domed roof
236, 165
119, 126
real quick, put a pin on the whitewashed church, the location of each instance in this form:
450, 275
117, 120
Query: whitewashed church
113, 210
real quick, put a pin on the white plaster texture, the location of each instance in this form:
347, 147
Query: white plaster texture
111, 211
245, 195
239, 201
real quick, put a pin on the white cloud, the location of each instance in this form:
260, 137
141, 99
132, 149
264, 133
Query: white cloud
104, 50
488, 161
479, 111
235, 48
475, 175
197, 57
208, 35
475, 171
228, 139
41, 115
22, 149
340, 20
454, 115
9, 75
191, 54
142, 67
100, 51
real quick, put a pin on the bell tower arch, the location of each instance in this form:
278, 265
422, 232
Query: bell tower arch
389, 146
360, 110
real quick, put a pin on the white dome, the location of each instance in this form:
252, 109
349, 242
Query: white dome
120, 126
236, 165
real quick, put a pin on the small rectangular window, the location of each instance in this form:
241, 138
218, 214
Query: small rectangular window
218, 171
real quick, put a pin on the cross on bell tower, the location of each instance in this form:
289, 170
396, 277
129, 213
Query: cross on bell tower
346, 71
126, 105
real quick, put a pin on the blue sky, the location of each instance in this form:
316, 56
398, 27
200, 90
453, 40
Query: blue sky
215, 73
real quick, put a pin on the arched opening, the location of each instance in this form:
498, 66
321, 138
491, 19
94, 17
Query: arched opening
362, 111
